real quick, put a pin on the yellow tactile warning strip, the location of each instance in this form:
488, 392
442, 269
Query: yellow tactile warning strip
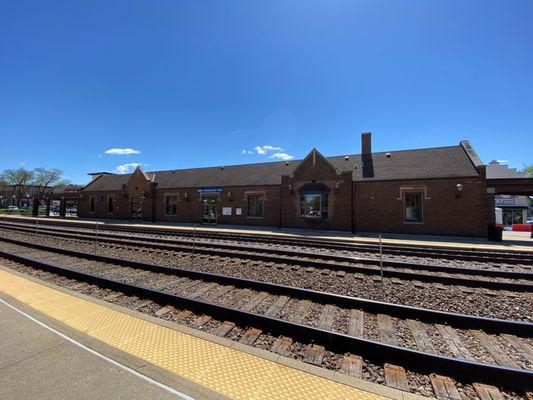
221, 369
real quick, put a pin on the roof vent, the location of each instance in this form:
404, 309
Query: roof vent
222, 168
287, 163
346, 158
387, 155
355, 166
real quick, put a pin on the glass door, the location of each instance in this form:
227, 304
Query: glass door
209, 209
136, 208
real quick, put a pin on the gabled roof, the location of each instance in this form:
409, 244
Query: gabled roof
438, 162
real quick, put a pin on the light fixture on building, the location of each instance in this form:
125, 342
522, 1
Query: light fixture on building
186, 196
459, 187
229, 195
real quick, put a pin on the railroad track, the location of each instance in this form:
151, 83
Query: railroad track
399, 339
519, 281
467, 254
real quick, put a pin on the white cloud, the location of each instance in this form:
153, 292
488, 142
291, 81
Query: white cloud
282, 156
264, 149
126, 150
126, 168
267, 150
503, 161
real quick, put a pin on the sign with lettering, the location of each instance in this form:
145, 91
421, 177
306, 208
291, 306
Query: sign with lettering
209, 189
226, 210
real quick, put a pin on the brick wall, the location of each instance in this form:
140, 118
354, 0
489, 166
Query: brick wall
379, 207
316, 169
189, 205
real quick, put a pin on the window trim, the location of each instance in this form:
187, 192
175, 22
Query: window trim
422, 197
114, 204
92, 204
167, 196
321, 195
247, 194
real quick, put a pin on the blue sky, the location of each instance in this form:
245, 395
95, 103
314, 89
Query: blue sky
199, 83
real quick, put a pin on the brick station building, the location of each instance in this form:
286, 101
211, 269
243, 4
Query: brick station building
440, 190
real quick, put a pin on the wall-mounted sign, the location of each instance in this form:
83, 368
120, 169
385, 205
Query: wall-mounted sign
209, 190
226, 210
505, 201
238, 211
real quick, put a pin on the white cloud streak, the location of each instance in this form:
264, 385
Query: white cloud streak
123, 151
282, 156
266, 148
126, 168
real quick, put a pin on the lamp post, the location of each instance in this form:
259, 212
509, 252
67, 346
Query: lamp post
37, 218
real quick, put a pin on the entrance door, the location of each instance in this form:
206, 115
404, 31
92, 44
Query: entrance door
209, 209
136, 208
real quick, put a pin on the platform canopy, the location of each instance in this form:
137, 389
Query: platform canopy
514, 186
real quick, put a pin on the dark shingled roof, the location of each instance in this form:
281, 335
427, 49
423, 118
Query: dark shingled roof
438, 162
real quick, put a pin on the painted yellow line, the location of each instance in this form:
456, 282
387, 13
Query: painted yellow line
221, 369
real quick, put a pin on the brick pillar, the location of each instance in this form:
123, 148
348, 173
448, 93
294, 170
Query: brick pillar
48, 207
63, 208
35, 207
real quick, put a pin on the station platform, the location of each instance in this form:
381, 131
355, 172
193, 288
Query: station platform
60, 344
512, 241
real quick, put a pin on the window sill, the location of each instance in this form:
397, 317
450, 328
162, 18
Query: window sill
247, 217
413, 222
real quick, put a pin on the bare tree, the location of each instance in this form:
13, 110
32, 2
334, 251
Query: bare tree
44, 178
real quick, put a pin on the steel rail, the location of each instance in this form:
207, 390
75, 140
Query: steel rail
463, 321
261, 254
354, 244
472, 254
423, 362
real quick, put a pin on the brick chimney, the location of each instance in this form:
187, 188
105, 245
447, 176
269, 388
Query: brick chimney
366, 143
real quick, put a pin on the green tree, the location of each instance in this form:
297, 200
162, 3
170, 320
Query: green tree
18, 179
529, 171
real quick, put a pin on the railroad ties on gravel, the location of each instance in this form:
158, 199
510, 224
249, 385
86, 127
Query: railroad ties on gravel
502, 348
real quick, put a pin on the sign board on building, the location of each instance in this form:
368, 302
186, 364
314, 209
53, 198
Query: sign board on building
505, 201
209, 190
226, 210
238, 211
511, 201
